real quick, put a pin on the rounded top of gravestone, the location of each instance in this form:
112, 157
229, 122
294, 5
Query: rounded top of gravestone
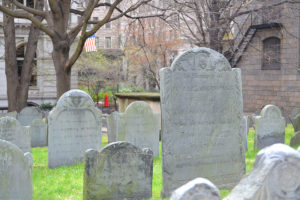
199, 188
9, 122
201, 59
31, 110
271, 111
138, 107
75, 99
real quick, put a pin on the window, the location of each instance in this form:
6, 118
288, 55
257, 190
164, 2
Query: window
108, 25
107, 1
28, 3
20, 60
271, 53
97, 42
108, 42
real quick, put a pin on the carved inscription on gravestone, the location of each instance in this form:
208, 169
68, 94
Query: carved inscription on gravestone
74, 126
139, 126
12, 131
15, 172
202, 120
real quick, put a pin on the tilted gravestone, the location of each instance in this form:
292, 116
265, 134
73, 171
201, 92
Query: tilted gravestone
38, 133
119, 171
197, 189
112, 126
15, 172
12, 131
295, 119
74, 126
139, 126
269, 127
202, 120
275, 176
28, 115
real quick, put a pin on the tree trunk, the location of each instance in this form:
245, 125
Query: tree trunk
60, 56
11, 69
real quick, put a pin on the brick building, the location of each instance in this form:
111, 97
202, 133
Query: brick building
268, 55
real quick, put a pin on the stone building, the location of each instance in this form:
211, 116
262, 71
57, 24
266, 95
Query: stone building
268, 53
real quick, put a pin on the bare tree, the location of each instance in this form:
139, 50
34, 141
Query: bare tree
56, 14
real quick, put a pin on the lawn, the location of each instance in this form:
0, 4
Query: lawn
67, 182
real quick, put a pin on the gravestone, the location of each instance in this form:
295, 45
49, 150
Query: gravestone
119, 171
38, 133
139, 126
74, 126
15, 172
269, 127
112, 126
295, 119
12, 131
275, 176
202, 121
28, 115
246, 130
197, 189
9, 114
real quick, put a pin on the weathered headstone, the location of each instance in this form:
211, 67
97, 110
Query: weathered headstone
74, 126
202, 120
275, 176
197, 189
12, 131
139, 126
119, 171
15, 172
28, 115
112, 126
269, 127
9, 114
246, 130
38, 133
295, 119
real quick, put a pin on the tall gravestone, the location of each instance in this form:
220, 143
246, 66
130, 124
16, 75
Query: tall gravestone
15, 172
139, 126
269, 127
12, 131
28, 115
197, 189
119, 171
74, 126
202, 120
38, 133
275, 176
112, 126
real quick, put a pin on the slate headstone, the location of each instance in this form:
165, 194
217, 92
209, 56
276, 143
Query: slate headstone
275, 176
119, 171
38, 133
112, 126
197, 189
295, 119
139, 126
74, 126
12, 131
28, 115
15, 172
202, 120
295, 140
269, 127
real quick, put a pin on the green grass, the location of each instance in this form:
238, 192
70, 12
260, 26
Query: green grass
67, 182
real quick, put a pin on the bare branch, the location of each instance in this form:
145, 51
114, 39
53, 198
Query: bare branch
28, 9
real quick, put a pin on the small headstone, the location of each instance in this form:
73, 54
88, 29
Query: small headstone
38, 133
9, 114
197, 189
112, 126
269, 127
12, 131
295, 119
275, 176
15, 172
295, 140
74, 126
202, 121
28, 115
139, 126
119, 171
246, 130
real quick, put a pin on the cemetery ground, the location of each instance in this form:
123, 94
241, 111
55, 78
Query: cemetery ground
67, 182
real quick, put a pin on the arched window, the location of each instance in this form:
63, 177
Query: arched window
271, 53
20, 61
